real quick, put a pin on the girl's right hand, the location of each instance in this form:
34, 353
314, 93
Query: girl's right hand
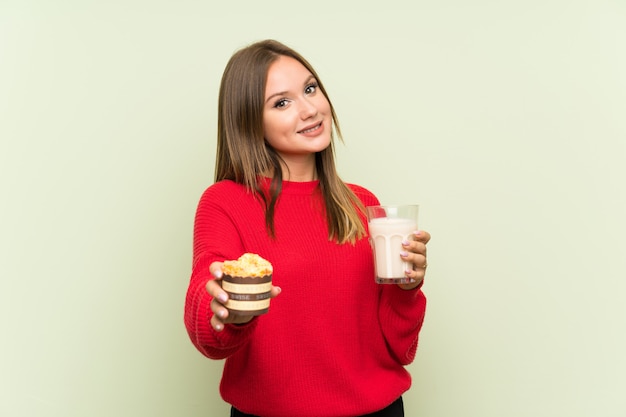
221, 315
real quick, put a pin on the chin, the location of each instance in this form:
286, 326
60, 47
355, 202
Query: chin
323, 146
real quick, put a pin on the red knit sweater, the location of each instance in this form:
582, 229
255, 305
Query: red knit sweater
334, 343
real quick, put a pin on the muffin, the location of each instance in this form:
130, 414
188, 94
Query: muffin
247, 281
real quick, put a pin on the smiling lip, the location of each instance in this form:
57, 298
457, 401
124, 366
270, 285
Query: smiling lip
311, 129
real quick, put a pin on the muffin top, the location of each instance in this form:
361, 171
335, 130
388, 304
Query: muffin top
248, 265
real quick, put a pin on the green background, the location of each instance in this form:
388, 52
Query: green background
504, 120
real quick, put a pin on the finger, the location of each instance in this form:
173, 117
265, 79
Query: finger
220, 314
416, 259
421, 236
216, 324
218, 308
220, 297
414, 247
275, 291
214, 288
418, 271
419, 263
417, 276
216, 270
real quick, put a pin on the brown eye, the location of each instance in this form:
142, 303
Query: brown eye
280, 103
311, 88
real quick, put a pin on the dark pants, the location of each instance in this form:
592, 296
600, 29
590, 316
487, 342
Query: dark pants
396, 409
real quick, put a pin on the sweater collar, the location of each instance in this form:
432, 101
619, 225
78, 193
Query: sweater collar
293, 187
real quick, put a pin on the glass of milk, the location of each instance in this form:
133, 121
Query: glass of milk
388, 226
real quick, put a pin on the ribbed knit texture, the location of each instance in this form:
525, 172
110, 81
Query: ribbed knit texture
334, 343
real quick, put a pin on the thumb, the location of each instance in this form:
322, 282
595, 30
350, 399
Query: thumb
216, 270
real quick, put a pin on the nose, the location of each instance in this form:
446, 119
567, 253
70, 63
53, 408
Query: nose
307, 108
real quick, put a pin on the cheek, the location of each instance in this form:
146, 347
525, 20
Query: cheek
267, 126
269, 131
324, 105
275, 126
324, 108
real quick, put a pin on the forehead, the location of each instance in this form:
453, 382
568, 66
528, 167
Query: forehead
286, 73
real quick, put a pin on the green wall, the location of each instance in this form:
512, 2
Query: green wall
504, 120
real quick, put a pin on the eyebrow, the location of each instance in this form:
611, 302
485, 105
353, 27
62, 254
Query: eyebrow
282, 93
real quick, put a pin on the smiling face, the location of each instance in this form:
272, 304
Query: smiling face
297, 118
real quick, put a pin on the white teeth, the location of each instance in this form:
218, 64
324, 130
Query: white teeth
310, 130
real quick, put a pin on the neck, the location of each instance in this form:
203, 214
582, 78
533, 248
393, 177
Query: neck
299, 169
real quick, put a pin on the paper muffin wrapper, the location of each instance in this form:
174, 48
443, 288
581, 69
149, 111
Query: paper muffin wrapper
247, 295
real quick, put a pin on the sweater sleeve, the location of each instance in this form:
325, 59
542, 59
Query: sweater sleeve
401, 315
401, 312
215, 239
215, 345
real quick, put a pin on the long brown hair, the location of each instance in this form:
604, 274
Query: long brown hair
244, 156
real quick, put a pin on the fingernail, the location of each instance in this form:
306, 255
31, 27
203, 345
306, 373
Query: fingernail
405, 242
219, 327
404, 254
217, 274
417, 232
222, 298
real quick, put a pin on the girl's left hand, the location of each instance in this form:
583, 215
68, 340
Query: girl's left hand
415, 253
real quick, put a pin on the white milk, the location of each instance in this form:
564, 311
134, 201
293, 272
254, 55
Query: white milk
387, 235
